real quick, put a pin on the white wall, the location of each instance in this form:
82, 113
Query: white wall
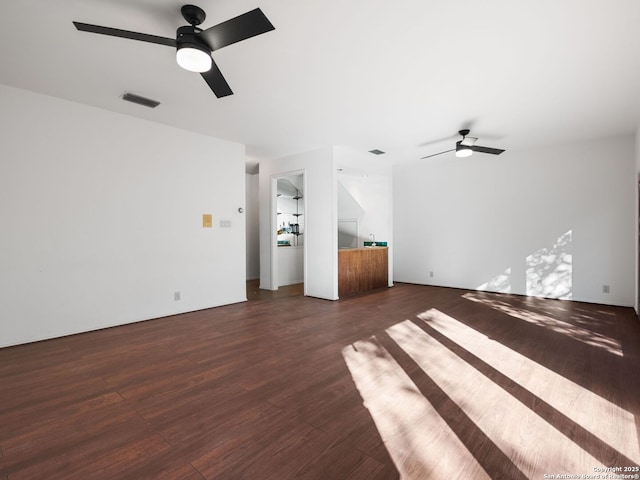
252, 215
102, 219
484, 221
320, 242
367, 180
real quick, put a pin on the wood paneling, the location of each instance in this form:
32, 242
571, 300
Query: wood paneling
508, 387
362, 269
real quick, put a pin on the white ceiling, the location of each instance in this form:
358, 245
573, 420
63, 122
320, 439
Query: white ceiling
401, 76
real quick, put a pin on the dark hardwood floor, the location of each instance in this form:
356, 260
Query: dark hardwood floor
410, 382
255, 293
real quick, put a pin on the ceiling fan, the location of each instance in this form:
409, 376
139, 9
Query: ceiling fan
466, 146
194, 45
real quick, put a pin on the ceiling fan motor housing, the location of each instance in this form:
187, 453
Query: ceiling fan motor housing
463, 150
192, 53
187, 36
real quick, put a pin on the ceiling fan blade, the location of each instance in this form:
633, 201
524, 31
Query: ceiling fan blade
216, 81
493, 151
116, 32
437, 140
237, 29
468, 141
446, 151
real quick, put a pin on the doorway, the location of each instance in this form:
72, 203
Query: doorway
288, 266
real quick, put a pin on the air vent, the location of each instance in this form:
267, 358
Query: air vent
376, 152
146, 102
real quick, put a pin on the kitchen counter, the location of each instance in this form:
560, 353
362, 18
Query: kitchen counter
362, 269
290, 265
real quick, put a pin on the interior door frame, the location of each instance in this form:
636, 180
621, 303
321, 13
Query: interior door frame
274, 226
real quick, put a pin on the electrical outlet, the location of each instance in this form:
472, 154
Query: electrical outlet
606, 289
431, 274
176, 296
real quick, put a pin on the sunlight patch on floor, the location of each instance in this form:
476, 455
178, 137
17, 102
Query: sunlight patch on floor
418, 440
605, 420
578, 333
512, 426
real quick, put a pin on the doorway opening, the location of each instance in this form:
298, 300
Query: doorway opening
288, 265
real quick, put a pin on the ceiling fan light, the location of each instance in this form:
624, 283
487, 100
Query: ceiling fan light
463, 150
192, 58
